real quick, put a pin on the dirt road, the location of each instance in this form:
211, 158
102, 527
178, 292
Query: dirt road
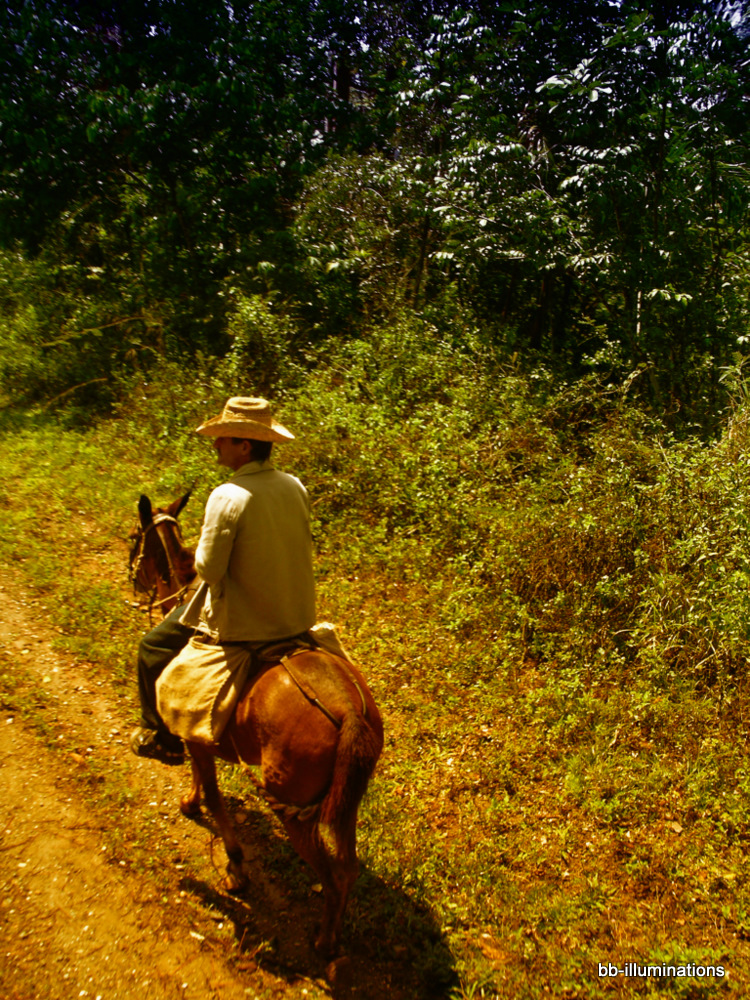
125, 903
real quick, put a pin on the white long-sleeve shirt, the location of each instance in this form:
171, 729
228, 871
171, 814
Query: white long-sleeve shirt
255, 558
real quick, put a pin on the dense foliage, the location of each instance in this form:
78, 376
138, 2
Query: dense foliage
576, 188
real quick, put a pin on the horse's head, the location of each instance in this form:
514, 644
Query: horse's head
160, 565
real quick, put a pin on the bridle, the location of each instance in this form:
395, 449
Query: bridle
138, 575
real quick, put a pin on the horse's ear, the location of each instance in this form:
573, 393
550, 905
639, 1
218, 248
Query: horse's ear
145, 511
176, 506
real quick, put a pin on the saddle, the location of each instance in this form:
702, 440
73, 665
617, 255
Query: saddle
198, 690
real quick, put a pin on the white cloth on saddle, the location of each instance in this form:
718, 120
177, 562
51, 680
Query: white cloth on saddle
198, 690
325, 636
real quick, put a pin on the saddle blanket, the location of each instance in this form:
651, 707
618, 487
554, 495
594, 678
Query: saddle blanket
198, 690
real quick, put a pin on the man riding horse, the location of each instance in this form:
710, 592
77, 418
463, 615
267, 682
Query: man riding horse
254, 558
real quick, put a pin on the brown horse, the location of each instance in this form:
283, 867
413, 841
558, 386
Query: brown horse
312, 725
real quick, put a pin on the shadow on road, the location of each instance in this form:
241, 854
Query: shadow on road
391, 945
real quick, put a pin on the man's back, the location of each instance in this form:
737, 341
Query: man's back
255, 553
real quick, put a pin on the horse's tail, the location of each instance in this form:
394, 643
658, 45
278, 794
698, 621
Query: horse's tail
357, 754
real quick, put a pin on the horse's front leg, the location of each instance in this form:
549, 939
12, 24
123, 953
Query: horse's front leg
190, 804
204, 776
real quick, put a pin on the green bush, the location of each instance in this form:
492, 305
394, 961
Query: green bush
264, 356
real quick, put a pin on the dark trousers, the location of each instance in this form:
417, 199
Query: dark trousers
157, 648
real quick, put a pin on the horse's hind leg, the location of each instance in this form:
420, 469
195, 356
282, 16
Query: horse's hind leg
204, 775
344, 868
336, 872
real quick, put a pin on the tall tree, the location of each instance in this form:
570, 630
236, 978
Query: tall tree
172, 139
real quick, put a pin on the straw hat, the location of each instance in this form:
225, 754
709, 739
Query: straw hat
246, 417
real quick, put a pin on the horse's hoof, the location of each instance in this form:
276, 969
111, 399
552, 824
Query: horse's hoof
190, 807
235, 885
339, 973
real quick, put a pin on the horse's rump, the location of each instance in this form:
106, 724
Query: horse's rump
276, 724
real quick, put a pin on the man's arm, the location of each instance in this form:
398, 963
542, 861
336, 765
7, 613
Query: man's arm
217, 537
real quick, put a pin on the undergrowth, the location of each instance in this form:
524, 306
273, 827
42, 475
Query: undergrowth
549, 595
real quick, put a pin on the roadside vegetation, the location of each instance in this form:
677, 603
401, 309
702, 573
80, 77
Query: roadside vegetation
549, 595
